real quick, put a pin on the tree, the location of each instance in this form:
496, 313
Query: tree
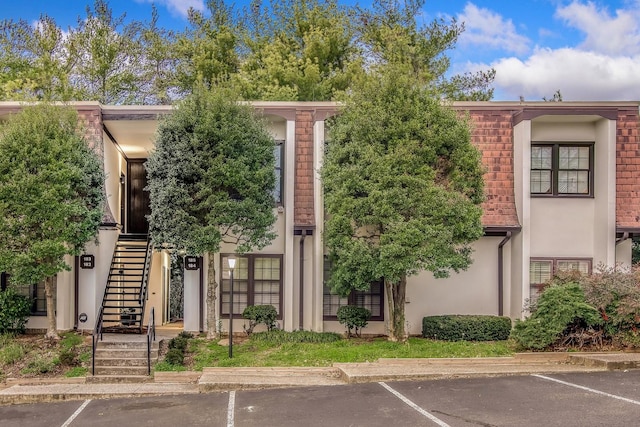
403, 187
390, 35
299, 50
51, 197
211, 179
109, 57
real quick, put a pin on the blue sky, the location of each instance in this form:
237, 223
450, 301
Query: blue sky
589, 50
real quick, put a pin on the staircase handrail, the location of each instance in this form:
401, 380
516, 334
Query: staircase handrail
151, 336
97, 335
145, 273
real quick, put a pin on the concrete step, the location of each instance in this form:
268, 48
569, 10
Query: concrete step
118, 379
125, 354
123, 371
257, 378
609, 361
108, 361
128, 345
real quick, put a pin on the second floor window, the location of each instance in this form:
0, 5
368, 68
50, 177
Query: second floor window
278, 152
562, 169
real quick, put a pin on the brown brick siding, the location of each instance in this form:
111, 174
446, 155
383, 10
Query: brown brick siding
303, 196
628, 169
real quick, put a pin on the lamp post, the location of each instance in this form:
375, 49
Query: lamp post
232, 264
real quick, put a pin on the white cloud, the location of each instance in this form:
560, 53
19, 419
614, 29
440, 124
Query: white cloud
178, 7
579, 75
490, 30
604, 33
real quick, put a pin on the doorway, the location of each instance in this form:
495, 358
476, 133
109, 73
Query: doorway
138, 206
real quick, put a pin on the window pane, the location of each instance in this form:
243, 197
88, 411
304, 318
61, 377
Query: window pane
267, 269
540, 182
277, 152
583, 266
539, 272
573, 182
541, 157
573, 157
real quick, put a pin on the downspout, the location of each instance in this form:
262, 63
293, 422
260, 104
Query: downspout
201, 297
501, 273
624, 237
76, 289
301, 321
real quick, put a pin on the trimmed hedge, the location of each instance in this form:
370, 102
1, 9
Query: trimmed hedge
466, 328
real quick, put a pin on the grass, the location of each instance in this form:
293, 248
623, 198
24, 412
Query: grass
258, 351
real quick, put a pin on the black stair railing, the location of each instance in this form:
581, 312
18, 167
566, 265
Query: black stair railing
97, 335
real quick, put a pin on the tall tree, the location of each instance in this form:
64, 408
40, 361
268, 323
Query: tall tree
403, 187
299, 50
109, 56
211, 178
51, 198
36, 61
390, 34
207, 51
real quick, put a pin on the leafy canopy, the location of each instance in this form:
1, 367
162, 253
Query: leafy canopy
403, 185
211, 176
51, 198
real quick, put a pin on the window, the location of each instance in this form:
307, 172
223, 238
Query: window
257, 280
34, 292
562, 169
278, 152
371, 299
541, 270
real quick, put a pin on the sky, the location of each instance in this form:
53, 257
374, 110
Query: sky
588, 50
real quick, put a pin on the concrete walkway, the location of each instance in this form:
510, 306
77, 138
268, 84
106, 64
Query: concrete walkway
223, 379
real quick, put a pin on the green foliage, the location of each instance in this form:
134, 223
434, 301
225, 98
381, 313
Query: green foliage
635, 251
382, 220
211, 176
41, 364
10, 351
257, 314
174, 356
559, 308
179, 343
76, 371
14, 311
68, 357
353, 317
51, 196
466, 328
281, 337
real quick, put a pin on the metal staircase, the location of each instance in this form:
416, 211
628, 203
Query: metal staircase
125, 295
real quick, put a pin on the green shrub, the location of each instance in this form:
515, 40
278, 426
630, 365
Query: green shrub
174, 356
561, 307
179, 343
281, 337
11, 353
466, 328
14, 311
257, 314
353, 317
68, 356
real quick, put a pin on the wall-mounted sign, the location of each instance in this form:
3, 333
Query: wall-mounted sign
191, 262
87, 261
83, 317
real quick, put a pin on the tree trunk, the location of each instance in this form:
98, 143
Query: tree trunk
212, 286
49, 291
396, 296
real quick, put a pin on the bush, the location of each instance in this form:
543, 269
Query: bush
14, 311
68, 357
560, 308
174, 356
466, 328
281, 337
257, 314
354, 318
179, 343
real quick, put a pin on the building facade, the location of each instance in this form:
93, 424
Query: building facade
562, 192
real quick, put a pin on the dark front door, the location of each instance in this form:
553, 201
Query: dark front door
138, 206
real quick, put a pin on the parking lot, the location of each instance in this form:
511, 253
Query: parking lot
585, 399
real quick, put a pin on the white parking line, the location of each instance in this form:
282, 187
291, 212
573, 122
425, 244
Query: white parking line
75, 414
591, 390
414, 406
231, 409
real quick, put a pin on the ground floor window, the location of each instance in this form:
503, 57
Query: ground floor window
257, 280
34, 292
371, 299
541, 270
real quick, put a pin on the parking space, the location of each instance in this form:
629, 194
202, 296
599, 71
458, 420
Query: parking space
594, 399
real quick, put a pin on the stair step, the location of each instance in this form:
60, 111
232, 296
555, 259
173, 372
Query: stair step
118, 379
126, 345
124, 353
